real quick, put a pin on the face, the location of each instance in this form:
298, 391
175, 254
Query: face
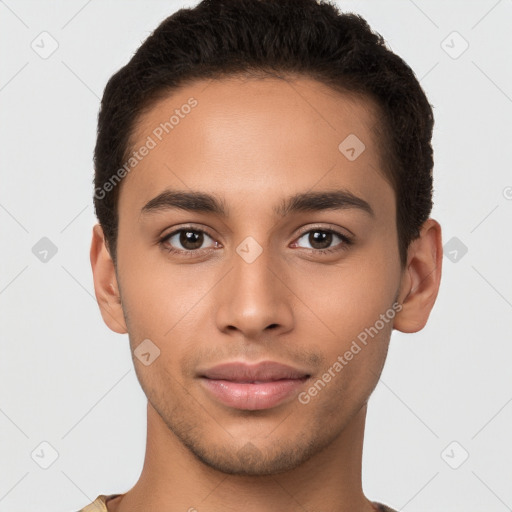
249, 276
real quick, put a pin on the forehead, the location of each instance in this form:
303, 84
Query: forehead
235, 136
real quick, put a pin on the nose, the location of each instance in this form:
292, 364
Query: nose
254, 299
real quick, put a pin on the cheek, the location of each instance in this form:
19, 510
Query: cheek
349, 297
354, 356
157, 295
353, 313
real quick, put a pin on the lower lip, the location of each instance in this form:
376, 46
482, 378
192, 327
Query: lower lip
244, 395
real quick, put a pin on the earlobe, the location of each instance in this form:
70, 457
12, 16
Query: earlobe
421, 279
106, 287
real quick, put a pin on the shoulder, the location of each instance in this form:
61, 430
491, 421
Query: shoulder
383, 508
98, 505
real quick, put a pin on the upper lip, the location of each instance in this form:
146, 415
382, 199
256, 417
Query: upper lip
243, 372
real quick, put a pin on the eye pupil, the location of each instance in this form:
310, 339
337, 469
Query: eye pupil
191, 237
321, 237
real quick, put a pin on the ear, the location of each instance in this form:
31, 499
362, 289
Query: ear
420, 279
106, 287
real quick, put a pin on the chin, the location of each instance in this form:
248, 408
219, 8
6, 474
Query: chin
251, 460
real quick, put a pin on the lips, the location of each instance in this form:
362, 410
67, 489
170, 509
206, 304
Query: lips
261, 372
252, 387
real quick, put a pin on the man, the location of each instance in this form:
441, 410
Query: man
263, 184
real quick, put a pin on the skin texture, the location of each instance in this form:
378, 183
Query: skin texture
253, 143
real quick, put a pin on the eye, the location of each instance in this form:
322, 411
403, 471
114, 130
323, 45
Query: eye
190, 239
320, 240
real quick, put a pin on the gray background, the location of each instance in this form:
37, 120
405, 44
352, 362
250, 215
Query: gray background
66, 380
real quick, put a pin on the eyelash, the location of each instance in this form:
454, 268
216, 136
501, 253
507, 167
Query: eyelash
346, 241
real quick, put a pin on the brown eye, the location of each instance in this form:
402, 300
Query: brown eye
320, 240
185, 240
191, 240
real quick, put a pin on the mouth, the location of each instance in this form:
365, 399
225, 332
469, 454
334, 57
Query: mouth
252, 387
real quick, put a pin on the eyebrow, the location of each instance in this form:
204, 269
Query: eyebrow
202, 202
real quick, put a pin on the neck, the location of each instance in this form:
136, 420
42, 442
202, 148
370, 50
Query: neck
173, 479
